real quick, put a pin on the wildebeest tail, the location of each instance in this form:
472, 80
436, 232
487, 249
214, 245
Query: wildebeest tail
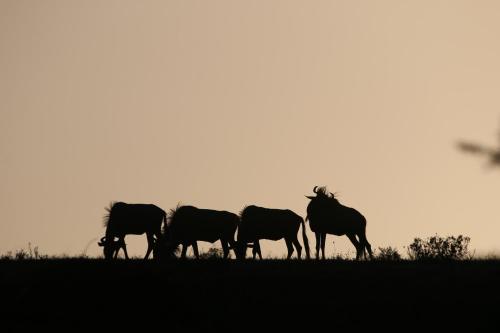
306, 241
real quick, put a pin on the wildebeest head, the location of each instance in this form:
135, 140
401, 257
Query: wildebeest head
323, 204
240, 249
165, 247
312, 197
110, 247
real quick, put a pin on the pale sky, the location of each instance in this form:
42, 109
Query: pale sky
221, 104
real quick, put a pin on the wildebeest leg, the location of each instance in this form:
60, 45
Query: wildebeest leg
318, 244
125, 251
195, 249
184, 250
232, 245
295, 242
323, 241
365, 244
256, 249
156, 245
357, 245
117, 246
151, 241
259, 251
225, 247
289, 247
121, 244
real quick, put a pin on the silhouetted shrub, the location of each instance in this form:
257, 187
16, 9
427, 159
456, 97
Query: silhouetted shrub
348, 256
212, 253
7, 256
21, 254
388, 254
436, 247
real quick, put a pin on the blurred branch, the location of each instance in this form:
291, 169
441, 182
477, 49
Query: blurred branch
473, 148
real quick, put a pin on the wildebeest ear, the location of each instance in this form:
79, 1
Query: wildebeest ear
309, 197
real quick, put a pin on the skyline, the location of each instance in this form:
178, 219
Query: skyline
221, 105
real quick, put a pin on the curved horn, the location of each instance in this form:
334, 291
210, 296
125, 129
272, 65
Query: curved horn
314, 189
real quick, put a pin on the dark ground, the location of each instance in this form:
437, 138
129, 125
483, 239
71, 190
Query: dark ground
250, 296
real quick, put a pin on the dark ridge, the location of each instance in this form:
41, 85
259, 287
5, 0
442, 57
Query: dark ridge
250, 296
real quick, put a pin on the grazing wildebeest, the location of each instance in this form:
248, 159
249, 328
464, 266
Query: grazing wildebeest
126, 219
274, 224
328, 216
189, 224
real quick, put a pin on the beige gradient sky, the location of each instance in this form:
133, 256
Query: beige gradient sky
220, 104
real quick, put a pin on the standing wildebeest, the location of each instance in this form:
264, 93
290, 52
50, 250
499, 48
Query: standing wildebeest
189, 224
274, 224
328, 216
124, 219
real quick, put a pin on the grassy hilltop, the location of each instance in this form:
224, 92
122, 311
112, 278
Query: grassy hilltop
251, 295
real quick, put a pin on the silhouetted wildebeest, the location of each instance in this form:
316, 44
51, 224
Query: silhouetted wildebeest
328, 216
131, 219
274, 224
189, 224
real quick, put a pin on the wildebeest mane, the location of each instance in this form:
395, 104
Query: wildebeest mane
323, 192
171, 216
106, 216
243, 211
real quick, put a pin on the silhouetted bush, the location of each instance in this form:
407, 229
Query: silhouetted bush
388, 254
436, 247
212, 253
7, 256
347, 256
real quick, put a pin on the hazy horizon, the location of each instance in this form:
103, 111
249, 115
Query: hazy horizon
223, 104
